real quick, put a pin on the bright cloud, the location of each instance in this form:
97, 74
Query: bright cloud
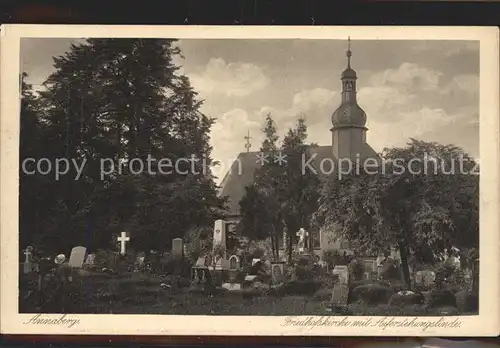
229, 130
229, 79
409, 77
393, 102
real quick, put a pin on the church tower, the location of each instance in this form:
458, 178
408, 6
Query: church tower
348, 131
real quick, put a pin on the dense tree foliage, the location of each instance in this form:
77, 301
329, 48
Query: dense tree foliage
282, 197
112, 105
423, 200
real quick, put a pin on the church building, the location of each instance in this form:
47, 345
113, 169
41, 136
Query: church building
348, 130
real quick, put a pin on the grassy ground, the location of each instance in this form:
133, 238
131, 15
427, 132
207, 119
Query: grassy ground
136, 293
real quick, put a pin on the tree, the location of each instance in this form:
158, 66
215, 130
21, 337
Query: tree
260, 206
281, 197
122, 101
416, 202
30, 186
299, 189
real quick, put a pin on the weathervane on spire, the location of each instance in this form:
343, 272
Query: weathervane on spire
349, 53
248, 145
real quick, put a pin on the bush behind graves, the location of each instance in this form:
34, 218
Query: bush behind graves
440, 298
260, 248
407, 300
105, 258
356, 270
334, 258
301, 287
198, 242
387, 310
371, 294
467, 302
171, 264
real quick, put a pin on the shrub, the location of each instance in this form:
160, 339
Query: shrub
357, 283
386, 310
371, 294
323, 294
105, 258
259, 248
467, 301
356, 270
297, 287
440, 298
333, 258
406, 300
391, 270
198, 242
174, 265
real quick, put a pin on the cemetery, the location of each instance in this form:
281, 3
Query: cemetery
240, 281
278, 234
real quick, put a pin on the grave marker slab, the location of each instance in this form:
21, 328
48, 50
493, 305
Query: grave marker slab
77, 256
277, 272
27, 266
339, 295
177, 247
231, 286
343, 274
234, 263
219, 234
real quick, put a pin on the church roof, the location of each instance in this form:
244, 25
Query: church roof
242, 172
349, 73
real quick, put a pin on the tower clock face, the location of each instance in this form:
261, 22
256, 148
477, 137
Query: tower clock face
345, 115
348, 86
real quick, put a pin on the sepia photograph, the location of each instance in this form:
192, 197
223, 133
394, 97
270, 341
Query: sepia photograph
325, 181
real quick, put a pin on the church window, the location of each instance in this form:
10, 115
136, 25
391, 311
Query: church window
348, 86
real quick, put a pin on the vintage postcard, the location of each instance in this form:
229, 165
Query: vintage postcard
249, 180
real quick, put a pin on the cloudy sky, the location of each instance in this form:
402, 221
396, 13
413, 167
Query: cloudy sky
427, 90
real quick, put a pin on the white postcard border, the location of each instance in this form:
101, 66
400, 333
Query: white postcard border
486, 323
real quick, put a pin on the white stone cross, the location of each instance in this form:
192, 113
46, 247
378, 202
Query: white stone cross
302, 235
123, 239
27, 253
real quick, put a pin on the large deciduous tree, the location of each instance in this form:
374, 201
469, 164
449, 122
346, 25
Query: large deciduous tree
423, 200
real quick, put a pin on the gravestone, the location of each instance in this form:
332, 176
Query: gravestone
77, 256
90, 260
232, 286
221, 264
234, 263
419, 278
425, 277
369, 264
340, 294
198, 270
219, 234
28, 266
277, 272
343, 274
285, 239
302, 243
139, 261
177, 247
123, 239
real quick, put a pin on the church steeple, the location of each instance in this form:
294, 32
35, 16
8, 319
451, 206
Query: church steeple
348, 131
349, 53
349, 78
349, 114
